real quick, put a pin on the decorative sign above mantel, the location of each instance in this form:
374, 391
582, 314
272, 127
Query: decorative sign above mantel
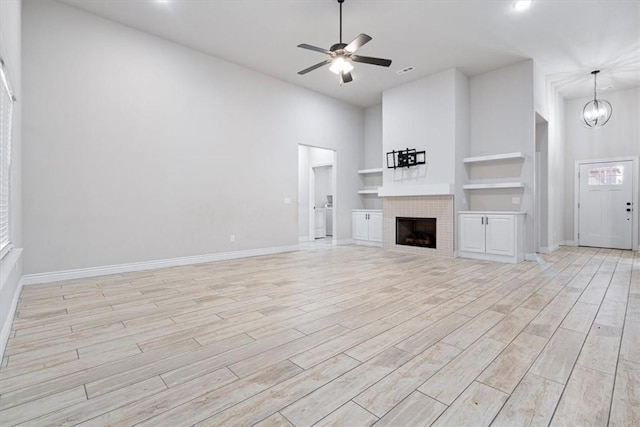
405, 158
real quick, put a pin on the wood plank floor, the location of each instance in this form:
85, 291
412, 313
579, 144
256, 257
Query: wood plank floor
347, 336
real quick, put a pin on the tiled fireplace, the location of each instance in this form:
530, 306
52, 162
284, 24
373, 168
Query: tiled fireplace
439, 208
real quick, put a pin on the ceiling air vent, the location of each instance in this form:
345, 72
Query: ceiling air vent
405, 70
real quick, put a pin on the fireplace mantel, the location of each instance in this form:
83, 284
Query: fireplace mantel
415, 190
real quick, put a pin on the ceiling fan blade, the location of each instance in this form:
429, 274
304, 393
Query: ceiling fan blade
314, 48
357, 43
313, 67
369, 60
346, 77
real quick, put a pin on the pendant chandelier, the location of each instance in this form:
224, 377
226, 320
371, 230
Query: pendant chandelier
596, 113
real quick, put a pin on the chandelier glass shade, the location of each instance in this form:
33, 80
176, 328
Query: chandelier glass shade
596, 113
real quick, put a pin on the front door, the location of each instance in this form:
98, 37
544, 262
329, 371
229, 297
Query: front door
605, 205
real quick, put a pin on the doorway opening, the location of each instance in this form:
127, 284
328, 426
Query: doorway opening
317, 195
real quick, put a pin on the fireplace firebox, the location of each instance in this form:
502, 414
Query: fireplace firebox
416, 232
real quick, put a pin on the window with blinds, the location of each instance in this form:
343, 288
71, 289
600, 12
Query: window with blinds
6, 123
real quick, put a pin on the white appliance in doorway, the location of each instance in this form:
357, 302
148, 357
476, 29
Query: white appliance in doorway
605, 204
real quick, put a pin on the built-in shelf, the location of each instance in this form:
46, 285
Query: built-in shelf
371, 178
368, 171
493, 185
493, 157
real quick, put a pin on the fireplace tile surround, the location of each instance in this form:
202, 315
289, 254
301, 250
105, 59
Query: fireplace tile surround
440, 207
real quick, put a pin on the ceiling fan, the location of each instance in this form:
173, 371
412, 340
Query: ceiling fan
341, 55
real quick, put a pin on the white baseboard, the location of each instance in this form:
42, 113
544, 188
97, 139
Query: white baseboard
6, 328
10, 276
568, 243
549, 249
530, 257
367, 243
343, 242
81, 273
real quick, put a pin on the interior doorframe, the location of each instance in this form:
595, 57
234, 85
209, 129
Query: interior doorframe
634, 195
540, 157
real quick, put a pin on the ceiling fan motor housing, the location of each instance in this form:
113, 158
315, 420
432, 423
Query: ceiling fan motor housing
338, 46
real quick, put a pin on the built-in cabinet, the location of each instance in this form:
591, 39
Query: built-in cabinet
494, 236
366, 226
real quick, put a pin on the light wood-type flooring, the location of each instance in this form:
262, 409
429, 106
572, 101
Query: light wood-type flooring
348, 336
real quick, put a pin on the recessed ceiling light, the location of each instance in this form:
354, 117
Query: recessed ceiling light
521, 5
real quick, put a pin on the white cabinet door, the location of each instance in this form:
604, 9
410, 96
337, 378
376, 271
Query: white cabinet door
500, 239
321, 224
472, 233
375, 227
359, 226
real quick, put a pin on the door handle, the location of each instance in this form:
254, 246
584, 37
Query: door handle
482, 220
487, 220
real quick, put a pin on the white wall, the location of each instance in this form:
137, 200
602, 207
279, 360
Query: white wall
540, 96
140, 149
619, 137
320, 156
303, 193
11, 264
555, 169
373, 155
462, 140
421, 115
503, 121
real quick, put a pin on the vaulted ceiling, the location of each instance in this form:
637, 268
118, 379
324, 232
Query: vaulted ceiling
566, 38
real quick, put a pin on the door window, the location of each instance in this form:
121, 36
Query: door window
609, 175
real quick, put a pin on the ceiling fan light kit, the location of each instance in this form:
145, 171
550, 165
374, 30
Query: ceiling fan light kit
341, 55
341, 65
596, 113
